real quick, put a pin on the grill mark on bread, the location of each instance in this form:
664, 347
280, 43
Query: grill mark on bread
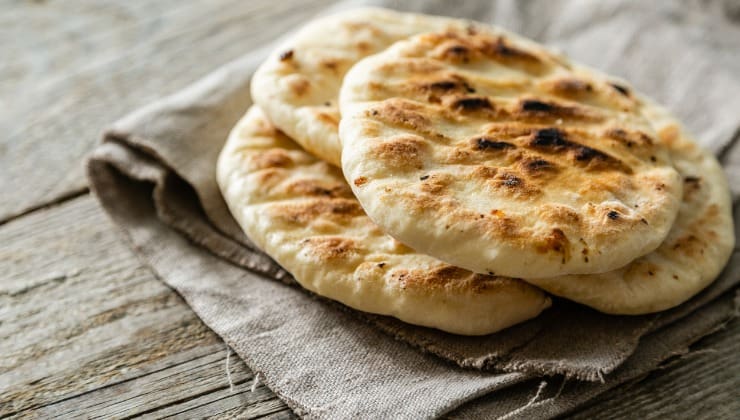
457, 47
446, 84
537, 108
360, 181
269, 177
556, 242
440, 87
501, 48
560, 214
330, 64
533, 105
457, 54
312, 188
471, 104
418, 66
286, 55
448, 277
514, 185
484, 143
440, 277
435, 183
484, 172
692, 186
330, 248
554, 141
273, 158
401, 113
502, 225
629, 138
570, 86
509, 130
537, 167
328, 119
299, 85
510, 180
623, 90
363, 47
403, 152
337, 209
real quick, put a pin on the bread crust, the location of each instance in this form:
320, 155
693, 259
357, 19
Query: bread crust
301, 212
491, 153
298, 85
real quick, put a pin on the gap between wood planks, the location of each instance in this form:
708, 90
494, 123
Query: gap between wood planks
61, 199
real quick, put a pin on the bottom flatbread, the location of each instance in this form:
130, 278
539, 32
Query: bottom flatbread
301, 212
696, 249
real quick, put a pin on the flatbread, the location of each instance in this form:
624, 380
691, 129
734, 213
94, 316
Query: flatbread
697, 248
298, 85
301, 212
490, 153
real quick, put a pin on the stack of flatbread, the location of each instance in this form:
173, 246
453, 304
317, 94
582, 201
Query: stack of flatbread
453, 175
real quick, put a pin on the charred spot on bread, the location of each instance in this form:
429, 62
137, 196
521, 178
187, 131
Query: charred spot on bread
485, 143
571, 86
286, 55
533, 105
503, 49
621, 89
552, 140
533, 108
556, 242
273, 158
472, 103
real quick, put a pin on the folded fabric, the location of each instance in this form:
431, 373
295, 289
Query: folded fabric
155, 174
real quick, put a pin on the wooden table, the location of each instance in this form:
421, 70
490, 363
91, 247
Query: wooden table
85, 329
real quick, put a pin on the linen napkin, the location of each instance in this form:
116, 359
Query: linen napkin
155, 175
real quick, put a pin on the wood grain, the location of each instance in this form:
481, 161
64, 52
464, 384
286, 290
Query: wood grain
705, 383
85, 330
70, 68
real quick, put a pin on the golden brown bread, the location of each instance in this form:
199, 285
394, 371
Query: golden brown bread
301, 212
694, 252
487, 151
298, 85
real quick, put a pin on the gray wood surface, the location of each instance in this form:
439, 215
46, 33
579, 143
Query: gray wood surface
85, 329
70, 68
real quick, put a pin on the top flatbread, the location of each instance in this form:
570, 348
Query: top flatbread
298, 85
490, 153
697, 247
301, 212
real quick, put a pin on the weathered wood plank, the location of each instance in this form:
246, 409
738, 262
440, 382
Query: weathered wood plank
70, 68
86, 330
183, 389
702, 384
